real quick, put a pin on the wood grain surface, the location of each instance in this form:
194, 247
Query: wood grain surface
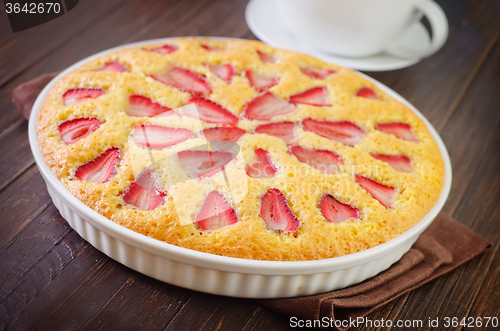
51, 279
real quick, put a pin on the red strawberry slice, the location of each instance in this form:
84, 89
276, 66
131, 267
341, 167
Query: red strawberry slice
215, 213
400, 130
266, 57
158, 137
266, 106
398, 162
259, 82
184, 80
317, 73
114, 66
201, 164
276, 213
101, 168
316, 96
141, 106
345, 132
73, 130
223, 134
282, 130
263, 167
380, 192
143, 193
74, 96
336, 212
166, 49
366, 92
325, 161
211, 49
223, 71
209, 111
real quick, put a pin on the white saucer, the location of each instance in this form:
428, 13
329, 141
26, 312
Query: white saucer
263, 19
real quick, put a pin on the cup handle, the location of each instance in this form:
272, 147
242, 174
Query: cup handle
439, 26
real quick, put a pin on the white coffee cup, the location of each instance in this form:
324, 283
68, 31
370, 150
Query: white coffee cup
357, 28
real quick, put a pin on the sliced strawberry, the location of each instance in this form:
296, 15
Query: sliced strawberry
400, 130
227, 133
166, 49
336, 212
101, 168
380, 192
201, 164
325, 161
366, 92
223, 71
398, 162
276, 213
263, 167
143, 192
157, 137
184, 80
211, 49
266, 106
317, 96
74, 96
345, 132
317, 73
259, 82
141, 106
73, 130
268, 58
215, 213
209, 111
282, 130
114, 66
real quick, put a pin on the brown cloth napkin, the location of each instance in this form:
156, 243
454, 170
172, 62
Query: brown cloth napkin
445, 245
442, 247
24, 95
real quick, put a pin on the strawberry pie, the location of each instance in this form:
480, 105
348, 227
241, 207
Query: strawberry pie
239, 149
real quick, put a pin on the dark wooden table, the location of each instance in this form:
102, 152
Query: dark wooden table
52, 279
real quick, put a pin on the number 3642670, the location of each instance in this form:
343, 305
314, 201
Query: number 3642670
33, 8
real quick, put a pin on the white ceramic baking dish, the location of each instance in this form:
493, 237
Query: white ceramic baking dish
219, 274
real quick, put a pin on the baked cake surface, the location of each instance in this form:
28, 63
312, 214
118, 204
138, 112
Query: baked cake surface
322, 163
